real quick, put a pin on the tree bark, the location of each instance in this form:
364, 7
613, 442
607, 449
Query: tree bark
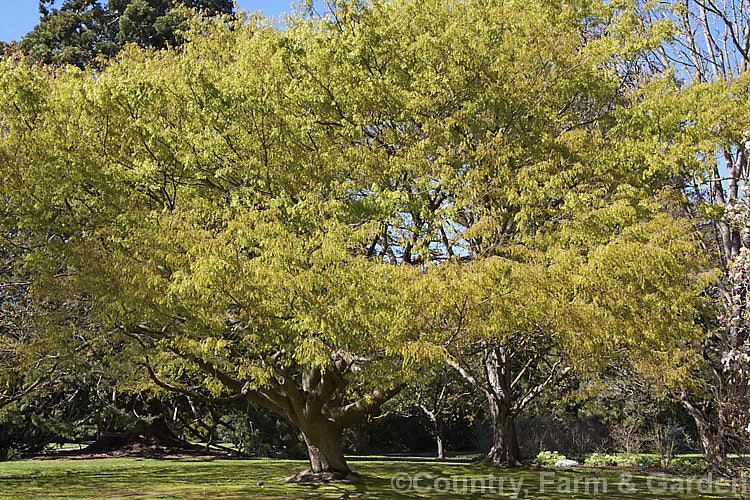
505, 450
436, 429
361, 432
324, 448
506, 400
711, 438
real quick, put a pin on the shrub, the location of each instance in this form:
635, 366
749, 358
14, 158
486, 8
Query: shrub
622, 460
601, 459
690, 466
627, 438
667, 438
548, 458
651, 461
10, 454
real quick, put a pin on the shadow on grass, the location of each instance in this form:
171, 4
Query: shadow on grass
409, 459
402, 477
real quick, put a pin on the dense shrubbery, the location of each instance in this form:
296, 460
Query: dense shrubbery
683, 465
548, 458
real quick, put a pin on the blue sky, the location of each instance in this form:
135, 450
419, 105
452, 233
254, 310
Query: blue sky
18, 17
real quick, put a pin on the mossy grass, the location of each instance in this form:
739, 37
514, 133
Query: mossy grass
137, 478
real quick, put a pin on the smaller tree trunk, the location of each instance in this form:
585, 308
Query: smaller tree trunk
361, 436
712, 439
713, 446
716, 455
437, 431
505, 450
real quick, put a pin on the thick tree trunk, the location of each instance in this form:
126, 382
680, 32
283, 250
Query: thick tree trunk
326, 454
325, 450
506, 400
505, 450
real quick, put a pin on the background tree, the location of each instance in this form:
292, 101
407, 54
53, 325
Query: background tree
693, 136
45, 379
694, 130
75, 33
435, 399
157, 23
78, 31
16, 332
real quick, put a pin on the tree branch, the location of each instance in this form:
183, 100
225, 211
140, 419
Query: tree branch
520, 405
351, 413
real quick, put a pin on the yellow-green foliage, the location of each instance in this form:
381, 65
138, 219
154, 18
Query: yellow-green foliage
226, 194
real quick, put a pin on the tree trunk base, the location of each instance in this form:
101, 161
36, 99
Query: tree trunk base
505, 451
308, 476
501, 462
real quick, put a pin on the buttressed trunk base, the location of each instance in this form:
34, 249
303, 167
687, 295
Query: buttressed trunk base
505, 450
327, 461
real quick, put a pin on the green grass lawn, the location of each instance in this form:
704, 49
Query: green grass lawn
135, 478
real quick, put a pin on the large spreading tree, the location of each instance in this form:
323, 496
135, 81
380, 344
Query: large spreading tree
305, 218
